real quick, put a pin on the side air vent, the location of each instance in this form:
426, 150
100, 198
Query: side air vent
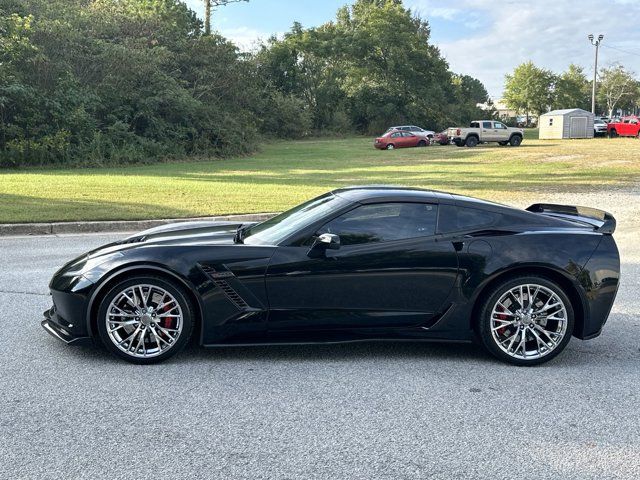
219, 280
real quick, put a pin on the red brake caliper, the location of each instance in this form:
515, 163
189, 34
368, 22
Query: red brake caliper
502, 329
167, 322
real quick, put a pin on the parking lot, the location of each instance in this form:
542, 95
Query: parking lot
376, 410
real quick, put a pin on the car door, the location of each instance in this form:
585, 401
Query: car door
487, 132
396, 139
409, 139
390, 271
501, 132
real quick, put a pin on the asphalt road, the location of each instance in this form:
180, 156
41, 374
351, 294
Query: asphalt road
357, 411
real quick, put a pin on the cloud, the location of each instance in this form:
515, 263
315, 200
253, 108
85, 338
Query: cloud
551, 33
247, 39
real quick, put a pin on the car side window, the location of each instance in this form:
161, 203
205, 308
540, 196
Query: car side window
383, 222
486, 125
475, 125
458, 219
396, 135
499, 125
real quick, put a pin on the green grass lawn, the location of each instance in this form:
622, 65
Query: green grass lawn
285, 173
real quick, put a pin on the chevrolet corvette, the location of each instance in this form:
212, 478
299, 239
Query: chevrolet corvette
355, 264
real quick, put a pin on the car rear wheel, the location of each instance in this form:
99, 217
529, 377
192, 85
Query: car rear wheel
515, 141
471, 142
145, 319
391, 146
422, 143
526, 320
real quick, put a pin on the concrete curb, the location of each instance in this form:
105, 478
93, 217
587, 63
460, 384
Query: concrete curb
54, 228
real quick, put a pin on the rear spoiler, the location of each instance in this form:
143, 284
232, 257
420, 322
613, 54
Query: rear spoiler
602, 222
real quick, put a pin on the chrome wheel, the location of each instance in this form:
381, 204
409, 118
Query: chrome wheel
529, 321
144, 321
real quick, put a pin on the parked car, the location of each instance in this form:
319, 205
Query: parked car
599, 127
604, 119
626, 127
441, 138
359, 263
484, 131
421, 132
398, 139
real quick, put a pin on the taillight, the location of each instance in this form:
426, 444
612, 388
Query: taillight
458, 132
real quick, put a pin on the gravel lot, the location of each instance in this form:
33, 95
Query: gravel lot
382, 410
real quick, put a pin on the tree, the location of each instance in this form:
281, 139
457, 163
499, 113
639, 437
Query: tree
529, 89
617, 87
210, 5
572, 89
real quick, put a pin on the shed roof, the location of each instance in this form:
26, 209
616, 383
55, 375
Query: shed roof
565, 111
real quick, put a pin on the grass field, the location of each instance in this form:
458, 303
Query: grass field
285, 173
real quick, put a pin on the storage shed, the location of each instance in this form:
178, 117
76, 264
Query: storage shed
568, 123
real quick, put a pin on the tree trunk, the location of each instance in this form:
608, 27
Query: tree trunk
207, 17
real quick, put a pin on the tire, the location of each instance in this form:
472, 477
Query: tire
422, 143
161, 333
471, 141
505, 342
503, 143
613, 134
391, 146
515, 140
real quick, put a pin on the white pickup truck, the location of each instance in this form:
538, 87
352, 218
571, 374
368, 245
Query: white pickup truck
484, 131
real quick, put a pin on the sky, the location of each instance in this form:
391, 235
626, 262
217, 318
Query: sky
482, 38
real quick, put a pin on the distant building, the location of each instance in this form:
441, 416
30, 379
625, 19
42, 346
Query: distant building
506, 114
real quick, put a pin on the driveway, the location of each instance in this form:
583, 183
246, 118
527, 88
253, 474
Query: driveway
357, 411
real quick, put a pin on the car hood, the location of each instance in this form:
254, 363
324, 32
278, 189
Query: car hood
210, 232
184, 233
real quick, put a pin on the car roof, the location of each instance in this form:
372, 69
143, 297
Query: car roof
391, 193
377, 193
394, 193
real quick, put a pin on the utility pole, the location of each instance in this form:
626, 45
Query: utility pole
596, 44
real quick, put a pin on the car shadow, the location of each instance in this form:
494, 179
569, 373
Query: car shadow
339, 352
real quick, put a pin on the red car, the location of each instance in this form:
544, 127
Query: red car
442, 138
626, 127
398, 139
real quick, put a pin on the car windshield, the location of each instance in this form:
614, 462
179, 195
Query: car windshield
276, 229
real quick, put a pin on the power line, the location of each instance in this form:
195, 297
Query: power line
621, 50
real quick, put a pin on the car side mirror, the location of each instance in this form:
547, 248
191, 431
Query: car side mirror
324, 242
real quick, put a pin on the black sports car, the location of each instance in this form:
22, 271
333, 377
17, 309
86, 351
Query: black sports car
360, 263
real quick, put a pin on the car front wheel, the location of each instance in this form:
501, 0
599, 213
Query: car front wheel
145, 319
515, 141
526, 321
